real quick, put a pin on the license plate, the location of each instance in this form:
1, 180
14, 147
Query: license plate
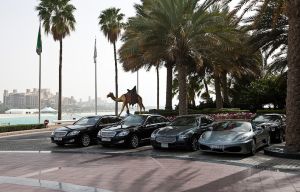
164, 145
57, 139
106, 139
217, 146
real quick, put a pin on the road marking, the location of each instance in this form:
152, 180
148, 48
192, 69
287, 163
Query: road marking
131, 150
25, 151
157, 162
54, 185
41, 172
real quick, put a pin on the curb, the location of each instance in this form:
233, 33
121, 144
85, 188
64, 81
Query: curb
24, 132
279, 151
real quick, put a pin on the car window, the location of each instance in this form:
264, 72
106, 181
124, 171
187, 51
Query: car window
266, 118
161, 120
151, 120
232, 126
204, 121
134, 120
87, 120
185, 121
114, 119
105, 120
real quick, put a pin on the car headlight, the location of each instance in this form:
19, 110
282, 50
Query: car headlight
53, 133
74, 133
153, 135
185, 135
123, 133
243, 138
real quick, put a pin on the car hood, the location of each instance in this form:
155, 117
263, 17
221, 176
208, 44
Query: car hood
224, 137
119, 127
174, 130
73, 127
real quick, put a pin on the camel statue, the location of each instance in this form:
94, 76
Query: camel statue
131, 97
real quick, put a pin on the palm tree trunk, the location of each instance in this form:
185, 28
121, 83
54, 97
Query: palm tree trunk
219, 103
206, 90
169, 86
293, 82
60, 80
225, 87
182, 71
157, 87
116, 78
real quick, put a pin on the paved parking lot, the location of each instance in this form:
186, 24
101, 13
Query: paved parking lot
32, 163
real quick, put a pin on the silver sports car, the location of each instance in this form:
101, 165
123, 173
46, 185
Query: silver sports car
234, 137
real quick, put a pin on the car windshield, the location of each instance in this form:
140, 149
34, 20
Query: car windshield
232, 126
134, 120
185, 121
266, 118
87, 121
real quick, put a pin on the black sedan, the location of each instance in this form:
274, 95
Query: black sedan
132, 130
182, 132
274, 122
234, 137
84, 131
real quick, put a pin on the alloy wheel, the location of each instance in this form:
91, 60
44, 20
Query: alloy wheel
85, 140
134, 141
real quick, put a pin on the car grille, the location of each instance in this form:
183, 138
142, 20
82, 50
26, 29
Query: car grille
60, 133
166, 139
108, 133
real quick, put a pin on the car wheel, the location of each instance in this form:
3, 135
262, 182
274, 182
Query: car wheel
85, 140
194, 144
156, 148
105, 145
133, 141
60, 144
253, 147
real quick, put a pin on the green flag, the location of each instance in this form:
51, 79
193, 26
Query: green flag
39, 43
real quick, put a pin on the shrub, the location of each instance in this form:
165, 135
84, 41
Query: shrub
9, 128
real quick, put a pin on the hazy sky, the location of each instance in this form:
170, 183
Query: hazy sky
19, 61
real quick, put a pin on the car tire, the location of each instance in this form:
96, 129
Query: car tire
156, 148
133, 141
60, 144
194, 144
105, 145
85, 140
253, 147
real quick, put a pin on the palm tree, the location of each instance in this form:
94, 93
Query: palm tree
291, 8
58, 19
111, 24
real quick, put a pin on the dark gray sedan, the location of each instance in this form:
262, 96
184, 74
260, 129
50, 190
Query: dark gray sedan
234, 137
182, 132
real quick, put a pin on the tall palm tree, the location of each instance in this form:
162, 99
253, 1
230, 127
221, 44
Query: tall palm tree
291, 8
58, 19
111, 24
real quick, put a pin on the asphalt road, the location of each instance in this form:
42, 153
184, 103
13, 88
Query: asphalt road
40, 142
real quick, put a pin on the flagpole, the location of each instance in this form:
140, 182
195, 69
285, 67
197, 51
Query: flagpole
95, 61
40, 77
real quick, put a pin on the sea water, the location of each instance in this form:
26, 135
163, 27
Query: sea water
17, 119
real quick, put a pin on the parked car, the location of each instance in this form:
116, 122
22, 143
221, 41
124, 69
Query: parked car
132, 130
234, 137
84, 131
183, 132
275, 123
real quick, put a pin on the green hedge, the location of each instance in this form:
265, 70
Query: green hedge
9, 128
210, 111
